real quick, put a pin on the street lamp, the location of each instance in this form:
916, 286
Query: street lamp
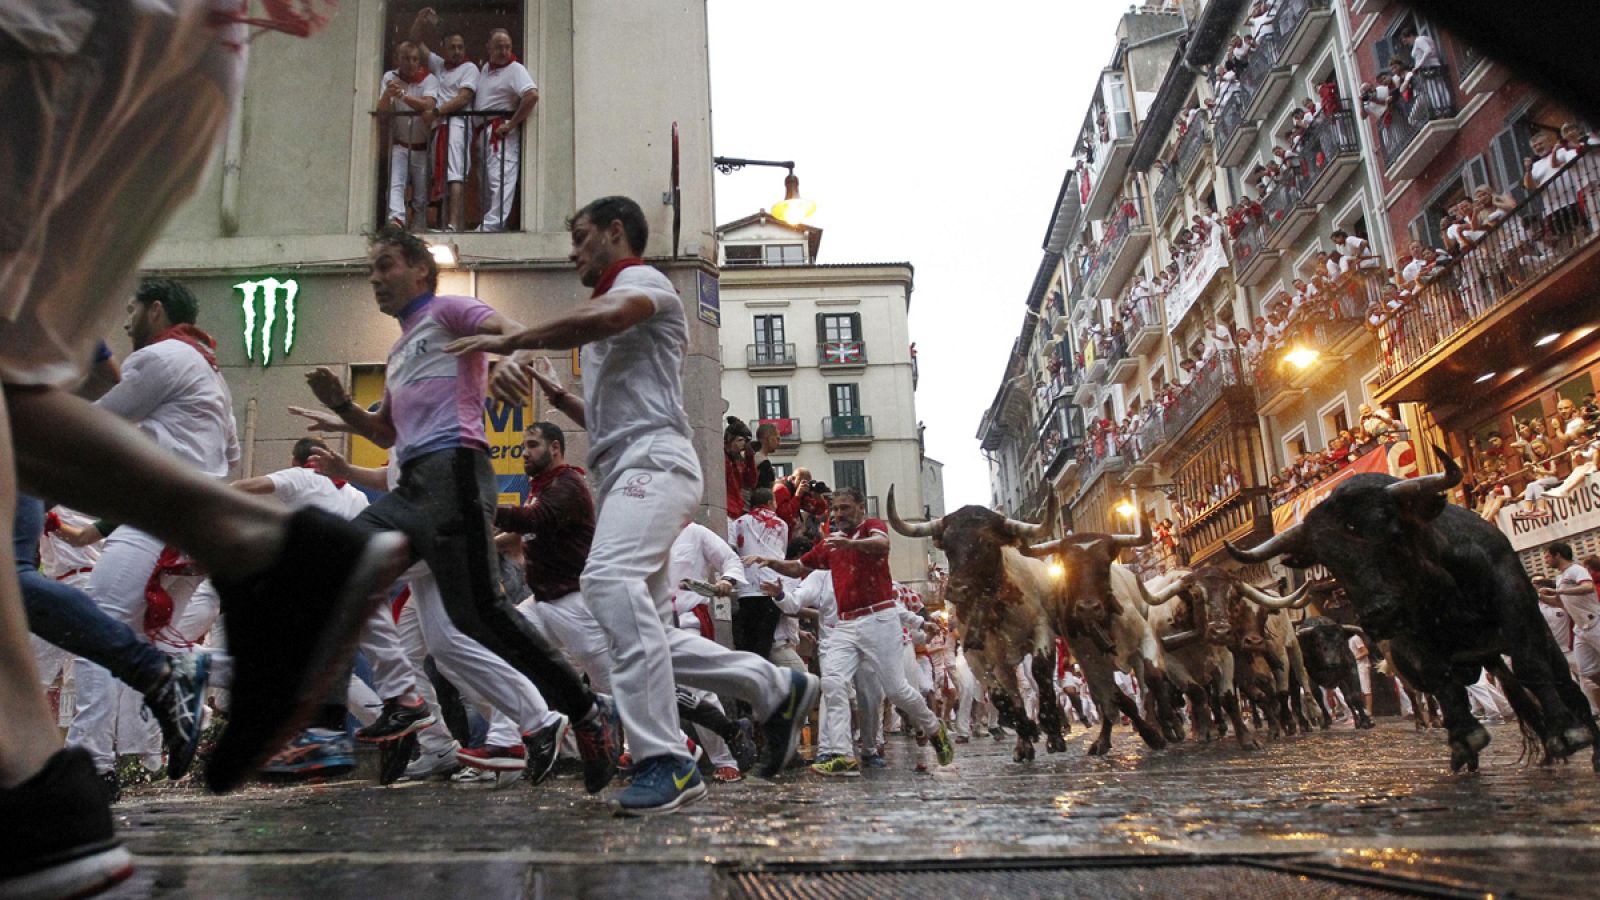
793, 209
1126, 509
1302, 357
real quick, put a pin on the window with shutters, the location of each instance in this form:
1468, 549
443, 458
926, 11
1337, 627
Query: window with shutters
1509, 149
769, 331
772, 402
844, 399
742, 255
850, 473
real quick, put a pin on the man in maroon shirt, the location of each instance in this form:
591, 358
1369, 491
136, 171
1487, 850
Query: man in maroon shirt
557, 526
868, 635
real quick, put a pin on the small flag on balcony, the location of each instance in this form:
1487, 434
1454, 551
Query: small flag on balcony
842, 352
785, 426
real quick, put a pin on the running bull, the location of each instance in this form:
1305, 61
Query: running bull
1446, 589
1331, 663
1000, 597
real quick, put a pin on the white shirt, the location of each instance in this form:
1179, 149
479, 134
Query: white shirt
788, 629
1545, 167
409, 129
1560, 625
700, 555
173, 395
1424, 53
751, 536
453, 81
1584, 608
299, 488
502, 88
633, 382
57, 557
816, 592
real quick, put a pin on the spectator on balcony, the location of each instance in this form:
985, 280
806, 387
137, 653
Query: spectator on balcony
1375, 100
1354, 252
451, 151
1379, 423
409, 94
1275, 328
1424, 52
1239, 50
504, 86
1263, 20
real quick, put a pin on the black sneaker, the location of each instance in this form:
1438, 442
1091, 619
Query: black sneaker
394, 758
743, 745
57, 834
111, 786
600, 744
782, 728
177, 702
292, 629
543, 746
396, 721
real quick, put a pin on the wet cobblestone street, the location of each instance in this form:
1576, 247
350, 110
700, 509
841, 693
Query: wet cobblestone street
1379, 803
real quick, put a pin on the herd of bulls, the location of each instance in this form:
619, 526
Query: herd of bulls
1439, 588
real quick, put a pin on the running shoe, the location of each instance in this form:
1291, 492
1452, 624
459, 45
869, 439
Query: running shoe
315, 751
292, 629
57, 833
743, 746
111, 784
838, 766
430, 766
394, 757
726, 775
397, 720
600, 744
543, 746
511, 758
660, 785
178, 701
941, 745
782, 728
481, 778
873, 761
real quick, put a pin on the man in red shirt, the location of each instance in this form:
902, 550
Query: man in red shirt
740, 465
868, 635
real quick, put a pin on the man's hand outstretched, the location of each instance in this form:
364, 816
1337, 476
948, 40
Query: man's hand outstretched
321, 420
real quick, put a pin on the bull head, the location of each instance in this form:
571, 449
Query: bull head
1112, 543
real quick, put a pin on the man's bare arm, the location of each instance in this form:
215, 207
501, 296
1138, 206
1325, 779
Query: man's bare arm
600, 318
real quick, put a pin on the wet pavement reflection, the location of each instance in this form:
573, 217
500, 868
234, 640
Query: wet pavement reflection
1380, 800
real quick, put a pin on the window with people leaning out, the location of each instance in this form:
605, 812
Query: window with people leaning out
455, 103
1540, 450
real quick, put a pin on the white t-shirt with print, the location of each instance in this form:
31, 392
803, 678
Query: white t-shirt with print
1585, 607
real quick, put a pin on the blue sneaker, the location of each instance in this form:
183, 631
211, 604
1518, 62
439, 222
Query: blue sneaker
315, 751
873, 761
661, 784
782, 728
177, 701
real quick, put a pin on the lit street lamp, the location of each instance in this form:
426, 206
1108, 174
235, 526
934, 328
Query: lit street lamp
1302, 357
793, 208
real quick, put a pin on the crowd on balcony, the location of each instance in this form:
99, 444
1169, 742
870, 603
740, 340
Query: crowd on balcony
1376, 428
446, 117
1397, 88
1546, 458
1520, 241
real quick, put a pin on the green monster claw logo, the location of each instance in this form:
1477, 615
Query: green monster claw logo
270, 289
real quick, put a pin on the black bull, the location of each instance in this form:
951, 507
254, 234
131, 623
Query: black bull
1000, 618
1330, 663
1446, 589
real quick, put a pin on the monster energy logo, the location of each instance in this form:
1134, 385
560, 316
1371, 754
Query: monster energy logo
270, 289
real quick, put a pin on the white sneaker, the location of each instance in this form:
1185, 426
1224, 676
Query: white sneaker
484, 778
434, 765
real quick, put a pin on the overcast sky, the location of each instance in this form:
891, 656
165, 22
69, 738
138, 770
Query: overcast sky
934, 138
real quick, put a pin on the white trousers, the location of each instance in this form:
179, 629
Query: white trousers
968, 691
568, 623
1028, 687
406, 164
870, 643
104, 706
647, 494
1486, 696
395, 673
1586, 650
502, 162
457, 155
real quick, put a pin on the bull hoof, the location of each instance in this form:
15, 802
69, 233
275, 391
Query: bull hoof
1568, 742
1364, 722
1055, 744
1173, 734
1099, 748
1249, 742
1464, 748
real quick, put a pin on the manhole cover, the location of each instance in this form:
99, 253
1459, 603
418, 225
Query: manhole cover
1094, 878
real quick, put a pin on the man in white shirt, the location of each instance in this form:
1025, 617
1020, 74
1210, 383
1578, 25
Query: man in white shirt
1574, 592
172, 389
504, 86
1353, 251
412, 91
634, 333
458, 85
1424, 52
759, 532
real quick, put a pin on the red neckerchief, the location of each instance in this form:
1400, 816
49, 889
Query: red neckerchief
490, 65
299, 18
337, 482
610, 276
195, 338
452, 66
537, 485
416, 77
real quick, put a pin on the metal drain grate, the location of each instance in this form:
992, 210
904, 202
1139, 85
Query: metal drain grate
1124, 878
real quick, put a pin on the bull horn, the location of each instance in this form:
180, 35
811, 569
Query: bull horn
1296, 600
1290, 540
912, 529
1166, 593
1144, 536
1027, 531
1423, 485
1355, 630
1038, 551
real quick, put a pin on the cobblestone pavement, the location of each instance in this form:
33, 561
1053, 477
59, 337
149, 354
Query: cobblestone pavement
1380, 803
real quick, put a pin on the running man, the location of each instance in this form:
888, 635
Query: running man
634, 334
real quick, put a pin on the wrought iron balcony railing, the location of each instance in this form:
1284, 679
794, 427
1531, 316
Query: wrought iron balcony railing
769, 356
1431, 97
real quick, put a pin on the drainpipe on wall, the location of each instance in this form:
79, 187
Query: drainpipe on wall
232, 150
247, 462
